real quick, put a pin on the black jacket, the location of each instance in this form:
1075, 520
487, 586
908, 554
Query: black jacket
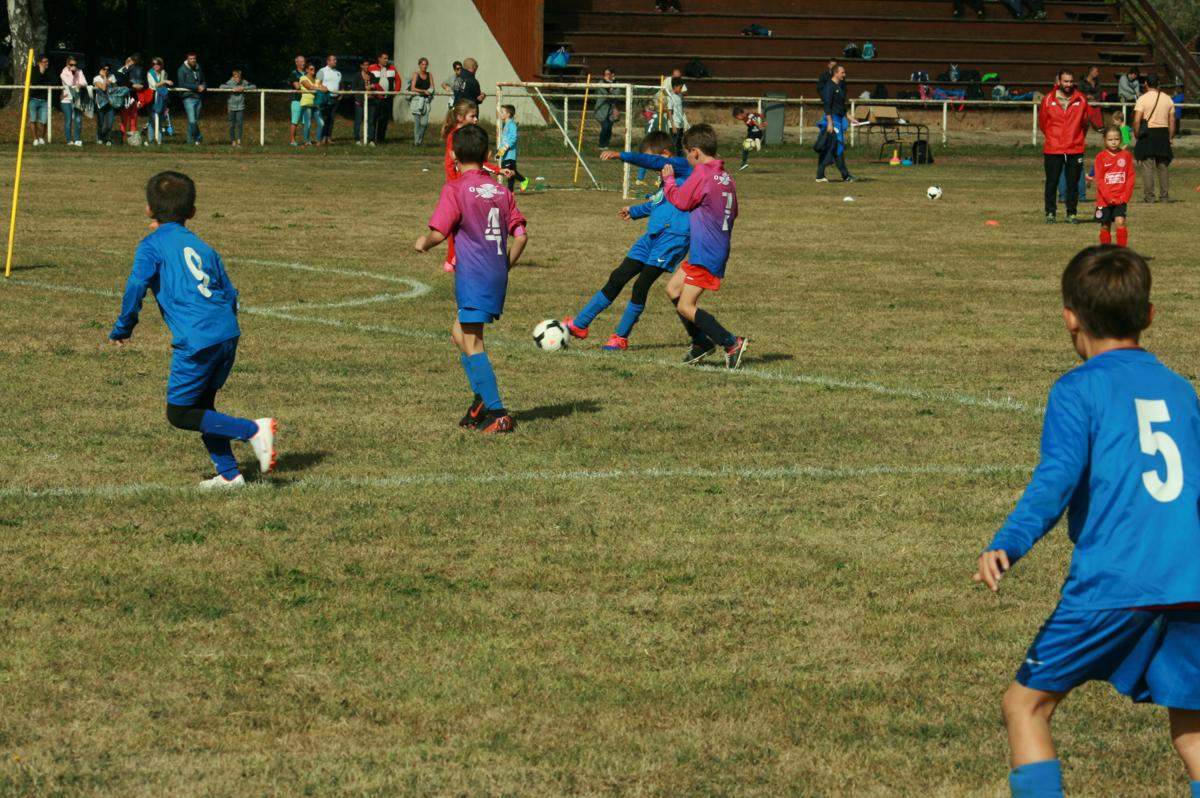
833, 95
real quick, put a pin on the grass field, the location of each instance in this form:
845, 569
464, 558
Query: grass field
669, 581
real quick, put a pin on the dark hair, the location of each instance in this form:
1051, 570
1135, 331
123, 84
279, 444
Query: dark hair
1108, 288
1065, 71
1151, 80
737, 110
676, 81
1113, 129
171, 197
384, 52
456, 65
657, 141
188, 55
42, 57
470, 144
511, 109
702, 137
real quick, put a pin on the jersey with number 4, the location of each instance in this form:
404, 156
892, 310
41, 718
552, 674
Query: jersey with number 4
194, 294
1121, 453
711, 196
481, 215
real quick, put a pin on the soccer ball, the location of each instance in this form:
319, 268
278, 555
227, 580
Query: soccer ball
934, 192
550, 335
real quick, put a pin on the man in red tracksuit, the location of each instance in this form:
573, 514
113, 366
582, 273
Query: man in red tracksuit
1064, 118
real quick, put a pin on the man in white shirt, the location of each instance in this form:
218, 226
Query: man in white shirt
331, 78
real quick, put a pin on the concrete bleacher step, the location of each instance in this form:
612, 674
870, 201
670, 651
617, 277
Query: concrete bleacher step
932, 9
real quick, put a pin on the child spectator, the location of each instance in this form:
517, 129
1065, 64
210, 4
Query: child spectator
1114, 186
237, 87
754, 133
507, 153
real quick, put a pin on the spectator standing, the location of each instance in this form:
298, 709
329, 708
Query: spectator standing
131, 79
73, 82
160, 85
331, 78
606, 111
191, 78
363, 85
1091, 85
826, 76
310, 106
834, 126
471, 89
294, 78
104, 106
419, 103
236, 105
1154, 127
389, 80
456, 85
677, 116
976, 6
1129, 87
39, 105
1064, 119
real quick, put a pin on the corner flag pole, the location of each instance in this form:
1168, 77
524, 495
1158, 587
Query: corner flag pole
587, 87
12, 222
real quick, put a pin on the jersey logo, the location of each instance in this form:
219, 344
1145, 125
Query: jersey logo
485, 190
722, 178
1120, 162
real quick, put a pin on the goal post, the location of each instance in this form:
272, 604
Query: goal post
562, 107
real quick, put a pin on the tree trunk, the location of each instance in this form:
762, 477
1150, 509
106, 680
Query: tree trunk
27, 23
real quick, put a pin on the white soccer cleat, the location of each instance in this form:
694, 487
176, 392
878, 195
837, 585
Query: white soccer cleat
263, 443
220, 483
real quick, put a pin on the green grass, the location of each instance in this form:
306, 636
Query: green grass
669, 581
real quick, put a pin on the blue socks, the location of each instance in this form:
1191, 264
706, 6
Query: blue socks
1039, 780
483, 379
1196, 789
222, 455
223, 426
595, 306
629, 318
467, 368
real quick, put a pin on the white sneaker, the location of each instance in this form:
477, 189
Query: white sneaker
220, 483
263, 444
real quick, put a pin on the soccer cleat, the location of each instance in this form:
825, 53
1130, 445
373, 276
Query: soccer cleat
697, 353
743, 167
616, 344
1072, 219
524, 184
474, 413
822, 179
733, 355
576, 332
496, 422
1050, 218
263, 444
848, 179
220, 483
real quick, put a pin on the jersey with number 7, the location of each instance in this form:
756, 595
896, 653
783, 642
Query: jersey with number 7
711, 196
197, 300
1121, 453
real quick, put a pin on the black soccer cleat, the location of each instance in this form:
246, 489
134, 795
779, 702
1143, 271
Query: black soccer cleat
474, 413
697, 353
496, 422
733, 355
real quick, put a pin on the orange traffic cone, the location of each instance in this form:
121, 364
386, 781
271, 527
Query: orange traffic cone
895, 158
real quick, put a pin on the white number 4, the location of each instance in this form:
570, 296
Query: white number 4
193, 260
493, 230
1154, 411
728, 210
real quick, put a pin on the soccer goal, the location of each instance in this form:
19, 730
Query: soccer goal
575, 117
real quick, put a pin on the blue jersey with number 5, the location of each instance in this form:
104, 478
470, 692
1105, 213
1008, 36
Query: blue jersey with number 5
189, 282
1121, 450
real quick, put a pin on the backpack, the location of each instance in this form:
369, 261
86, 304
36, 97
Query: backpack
851, 51
920, 76
974, 92
558, 59
922, 153
880, 92
969, 76
999, 92
696, 69
868, 51
754, 29
952, 73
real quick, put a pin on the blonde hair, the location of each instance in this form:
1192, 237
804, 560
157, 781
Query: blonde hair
458, 110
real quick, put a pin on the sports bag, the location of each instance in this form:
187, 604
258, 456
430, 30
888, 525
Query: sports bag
559, 58
921, 152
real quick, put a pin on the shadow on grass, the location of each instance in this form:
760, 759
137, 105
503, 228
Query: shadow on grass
299, 461
28, 267
555, 412
770, 357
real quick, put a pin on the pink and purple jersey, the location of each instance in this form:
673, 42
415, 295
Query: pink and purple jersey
481, 215
711, 197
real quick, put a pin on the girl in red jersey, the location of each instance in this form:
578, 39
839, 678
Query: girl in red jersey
1114, 186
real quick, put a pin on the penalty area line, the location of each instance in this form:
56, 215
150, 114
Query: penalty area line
398, 481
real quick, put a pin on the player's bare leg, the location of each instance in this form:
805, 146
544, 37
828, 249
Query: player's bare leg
689, 310
1027, 714
1185, 735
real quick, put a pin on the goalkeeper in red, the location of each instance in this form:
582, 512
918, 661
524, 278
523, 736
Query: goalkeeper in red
1114, 186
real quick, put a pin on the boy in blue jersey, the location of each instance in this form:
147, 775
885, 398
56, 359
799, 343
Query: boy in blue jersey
1120, 453
659, 251
199, 305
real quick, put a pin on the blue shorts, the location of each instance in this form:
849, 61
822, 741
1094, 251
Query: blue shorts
476, 316
197, 374
1149, 655
297, 112
39, 112
661, 250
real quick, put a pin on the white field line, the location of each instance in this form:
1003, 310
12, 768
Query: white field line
816, 380
811, 473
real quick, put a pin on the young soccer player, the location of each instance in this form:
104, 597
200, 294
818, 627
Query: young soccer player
199, 305
711, 197
1114, 186
754, 133
1120, 453
507, 151
1118, 119
462, 113
660, 250
484, 217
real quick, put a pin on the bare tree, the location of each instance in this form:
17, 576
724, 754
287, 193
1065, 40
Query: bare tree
27, 23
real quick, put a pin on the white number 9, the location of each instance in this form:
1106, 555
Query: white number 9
1154, 411
193, 260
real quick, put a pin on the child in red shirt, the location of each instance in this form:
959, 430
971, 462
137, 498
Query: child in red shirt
1114, 187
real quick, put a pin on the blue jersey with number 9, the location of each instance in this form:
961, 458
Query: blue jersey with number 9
189, 282
1121, 453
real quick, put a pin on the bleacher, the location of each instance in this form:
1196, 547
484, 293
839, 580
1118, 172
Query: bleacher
909, 36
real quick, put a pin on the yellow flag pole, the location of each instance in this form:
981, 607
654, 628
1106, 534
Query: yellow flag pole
587, 87
659, 122
12, 222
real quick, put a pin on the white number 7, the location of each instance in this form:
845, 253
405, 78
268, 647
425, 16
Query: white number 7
1154, 411
492, 233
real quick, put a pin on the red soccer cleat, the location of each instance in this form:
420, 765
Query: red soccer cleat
576, 332
616, 344
496, 422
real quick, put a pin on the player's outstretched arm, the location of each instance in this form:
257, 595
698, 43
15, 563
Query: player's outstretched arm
428, 241
145, 266
991, 568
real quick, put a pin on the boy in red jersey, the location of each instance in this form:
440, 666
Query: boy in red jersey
1114, 186
711, 198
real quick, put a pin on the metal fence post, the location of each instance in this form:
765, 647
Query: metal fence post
853, 127
49, 115
366, 115
945, 119
628, 139
262, 119
566, 120
801, 119
1035, 124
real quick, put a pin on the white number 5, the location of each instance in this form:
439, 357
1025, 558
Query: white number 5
1154, 411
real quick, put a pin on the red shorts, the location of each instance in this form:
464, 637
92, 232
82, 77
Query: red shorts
700, 277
